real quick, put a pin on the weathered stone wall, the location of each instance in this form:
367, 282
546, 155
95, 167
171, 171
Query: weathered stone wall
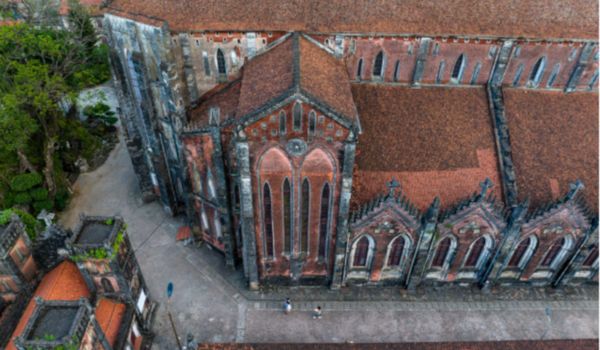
151, 95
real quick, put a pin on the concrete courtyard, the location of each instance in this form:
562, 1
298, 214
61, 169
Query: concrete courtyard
211, 303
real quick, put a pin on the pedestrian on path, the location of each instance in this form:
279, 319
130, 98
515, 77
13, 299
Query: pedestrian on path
287, 306
317, 313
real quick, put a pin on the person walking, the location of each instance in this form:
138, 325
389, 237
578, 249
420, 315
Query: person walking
287, 306
317, 313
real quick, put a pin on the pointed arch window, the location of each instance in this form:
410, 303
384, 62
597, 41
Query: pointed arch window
312, 122
268, 221
442, 252
518, 74
305, 216
378, 65
206, 63
537, 72
523, 253
323, 222
397, 71
297, 114
557, 252
210, 184
204, 219
475, 253
361, 252
593, 80
396, 252
217, 224
440, 73
221, 62
287, 217
282, 123
359, 69
459, 67
475, 75
553, 75
592, 257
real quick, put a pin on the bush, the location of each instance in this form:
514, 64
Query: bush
101, 111
61, 199
22, 198
43, 204
25, 182
32, 226
5, 216
39, 194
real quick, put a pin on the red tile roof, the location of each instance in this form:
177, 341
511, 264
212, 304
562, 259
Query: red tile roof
325, 78
109, 315
270, 77
64, 282
266, 76
437, 141
525, 18
554, 140
224, 96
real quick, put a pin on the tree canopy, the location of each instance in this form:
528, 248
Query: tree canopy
42, 69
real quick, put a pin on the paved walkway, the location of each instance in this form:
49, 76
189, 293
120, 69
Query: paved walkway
210, 302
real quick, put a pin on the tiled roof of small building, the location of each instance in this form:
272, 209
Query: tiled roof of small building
109, 315
554, 141
294, 65
64, 282
437, 141
526, 18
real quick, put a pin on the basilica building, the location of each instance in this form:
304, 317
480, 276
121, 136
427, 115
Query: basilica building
405, 143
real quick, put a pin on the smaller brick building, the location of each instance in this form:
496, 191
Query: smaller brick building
95, 299
17, 266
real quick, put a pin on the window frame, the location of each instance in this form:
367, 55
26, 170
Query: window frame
406, 246
297, 112
461, 63
449, 253
323, 242
287, 209
304, 212
266, 232
379, 75
370, 252
221, 63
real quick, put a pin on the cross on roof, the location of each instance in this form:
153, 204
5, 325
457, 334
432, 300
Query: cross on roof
392, 185
485, 186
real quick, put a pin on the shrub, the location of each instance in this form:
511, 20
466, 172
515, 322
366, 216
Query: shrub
22, 198
5, 216
32, 226
44, 204
61, 199
24, 182
39, 194
101, 111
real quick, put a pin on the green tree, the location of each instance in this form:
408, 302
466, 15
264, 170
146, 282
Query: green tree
42, 69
